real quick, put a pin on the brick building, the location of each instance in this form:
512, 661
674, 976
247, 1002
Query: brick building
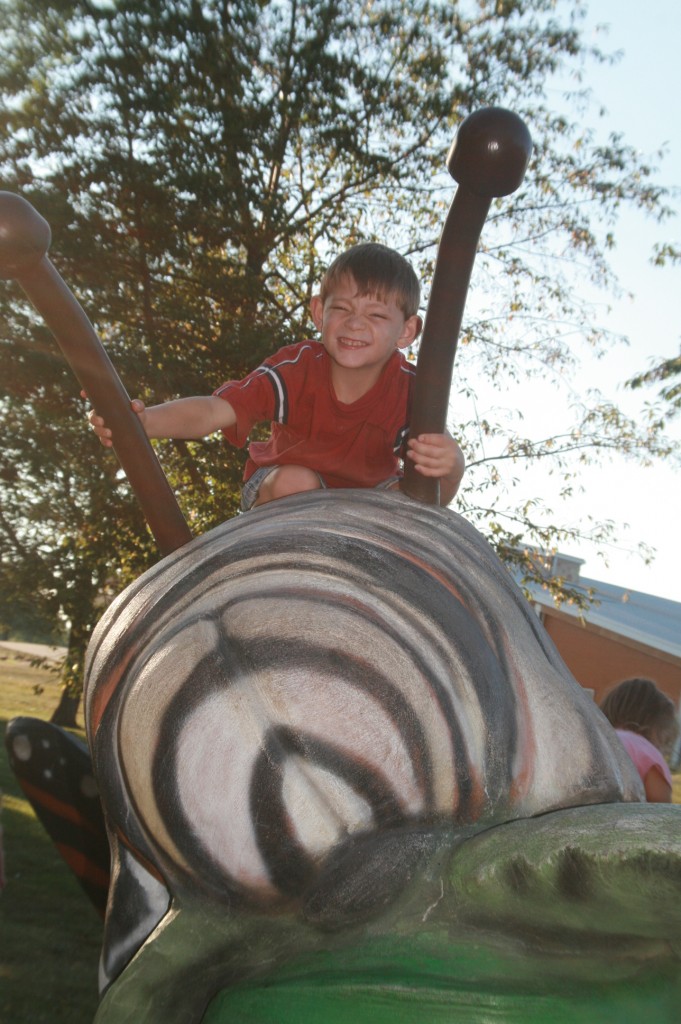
624, 633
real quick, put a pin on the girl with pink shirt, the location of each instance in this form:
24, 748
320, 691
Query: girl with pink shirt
646, 723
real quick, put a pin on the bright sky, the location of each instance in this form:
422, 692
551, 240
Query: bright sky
641, 94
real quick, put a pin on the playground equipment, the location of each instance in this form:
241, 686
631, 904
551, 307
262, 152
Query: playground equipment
345, 774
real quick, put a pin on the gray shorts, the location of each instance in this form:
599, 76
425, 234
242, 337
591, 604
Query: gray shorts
251, 489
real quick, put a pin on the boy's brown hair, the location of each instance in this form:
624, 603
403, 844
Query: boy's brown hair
376, 270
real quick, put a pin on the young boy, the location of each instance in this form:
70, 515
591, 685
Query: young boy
338, 407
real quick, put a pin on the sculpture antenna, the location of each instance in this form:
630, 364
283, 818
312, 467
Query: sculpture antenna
24, 241
488, 159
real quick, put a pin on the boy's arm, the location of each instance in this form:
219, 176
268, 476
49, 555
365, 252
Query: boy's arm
184, 419
438, 455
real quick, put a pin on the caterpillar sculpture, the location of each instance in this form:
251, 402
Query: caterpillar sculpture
347, 777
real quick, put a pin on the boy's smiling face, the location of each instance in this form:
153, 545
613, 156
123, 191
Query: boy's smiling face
361, 332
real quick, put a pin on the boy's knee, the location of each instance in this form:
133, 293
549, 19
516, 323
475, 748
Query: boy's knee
287, 480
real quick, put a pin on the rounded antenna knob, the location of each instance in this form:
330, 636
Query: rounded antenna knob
491, 152
24, 236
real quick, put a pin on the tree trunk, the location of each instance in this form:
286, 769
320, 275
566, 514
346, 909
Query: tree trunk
72, 675
67, 709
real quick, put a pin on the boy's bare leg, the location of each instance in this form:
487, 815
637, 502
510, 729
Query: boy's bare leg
285, 480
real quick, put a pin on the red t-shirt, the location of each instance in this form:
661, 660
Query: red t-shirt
349, 445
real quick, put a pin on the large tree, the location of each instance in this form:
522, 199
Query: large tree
199, 162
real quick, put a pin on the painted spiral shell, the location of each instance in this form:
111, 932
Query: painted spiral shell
325, 667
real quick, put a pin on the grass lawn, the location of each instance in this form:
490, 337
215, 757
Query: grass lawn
50, 935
